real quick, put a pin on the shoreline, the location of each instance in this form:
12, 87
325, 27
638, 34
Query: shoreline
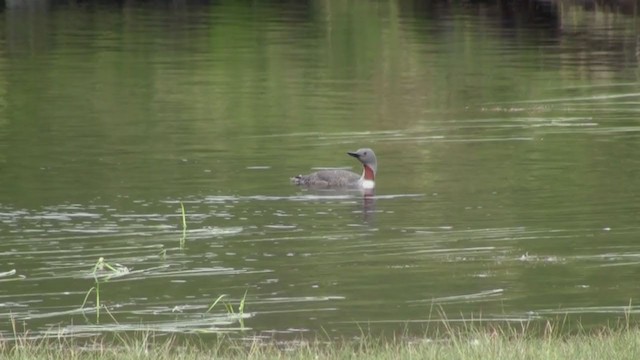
472, 341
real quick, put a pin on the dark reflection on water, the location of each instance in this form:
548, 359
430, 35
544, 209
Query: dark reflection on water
507, 136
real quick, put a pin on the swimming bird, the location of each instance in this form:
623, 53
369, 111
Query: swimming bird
343, 179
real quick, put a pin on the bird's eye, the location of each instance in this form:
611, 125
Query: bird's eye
365, 153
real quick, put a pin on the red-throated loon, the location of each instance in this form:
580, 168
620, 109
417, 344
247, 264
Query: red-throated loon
342, 178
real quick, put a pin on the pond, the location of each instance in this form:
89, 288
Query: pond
507, 139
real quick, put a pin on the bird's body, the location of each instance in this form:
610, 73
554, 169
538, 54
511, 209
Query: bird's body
328, 179
343, 179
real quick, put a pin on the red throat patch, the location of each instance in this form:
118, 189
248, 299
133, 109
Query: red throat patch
368, 173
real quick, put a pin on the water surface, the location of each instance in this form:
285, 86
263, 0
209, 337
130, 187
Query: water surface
506, 137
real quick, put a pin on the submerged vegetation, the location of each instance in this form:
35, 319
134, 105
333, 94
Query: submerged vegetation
103, 271
469, 342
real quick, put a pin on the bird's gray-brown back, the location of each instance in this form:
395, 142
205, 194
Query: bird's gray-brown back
328, 178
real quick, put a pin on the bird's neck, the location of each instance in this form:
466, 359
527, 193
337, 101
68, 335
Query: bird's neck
368, 173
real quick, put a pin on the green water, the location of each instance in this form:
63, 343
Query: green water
507, 141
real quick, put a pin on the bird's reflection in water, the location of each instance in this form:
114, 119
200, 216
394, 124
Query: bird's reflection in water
367, 204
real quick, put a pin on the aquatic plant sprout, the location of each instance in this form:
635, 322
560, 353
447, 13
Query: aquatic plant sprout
111, 271
183, 239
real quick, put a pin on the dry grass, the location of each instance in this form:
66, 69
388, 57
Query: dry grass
466, 342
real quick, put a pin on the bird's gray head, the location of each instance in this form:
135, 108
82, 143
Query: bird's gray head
367, 157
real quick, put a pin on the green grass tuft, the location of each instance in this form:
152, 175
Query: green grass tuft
102, 272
